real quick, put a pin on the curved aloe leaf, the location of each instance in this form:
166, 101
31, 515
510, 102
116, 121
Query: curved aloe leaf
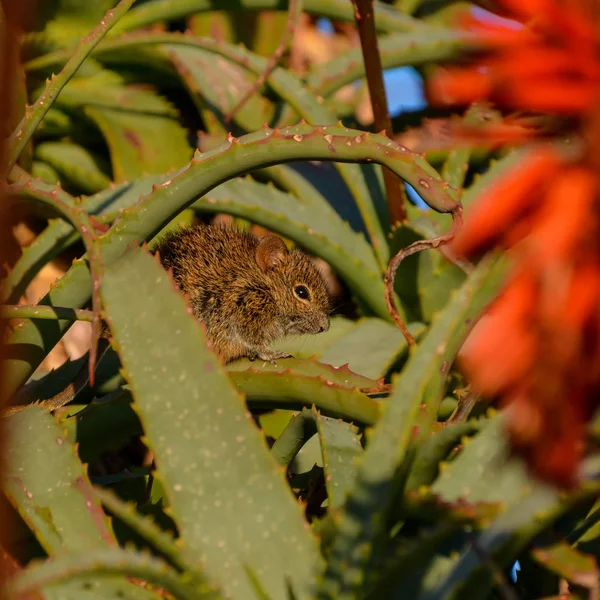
339, 375
412, 48
35, 114
386, 18
27, 346
289, 88
299, 429
361, 528
204, 441
145, 527
60, 235
49, 487
106, 562
292, 391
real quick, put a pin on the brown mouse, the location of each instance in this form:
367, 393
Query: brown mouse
248, 292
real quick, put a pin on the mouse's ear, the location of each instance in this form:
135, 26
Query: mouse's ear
271, 252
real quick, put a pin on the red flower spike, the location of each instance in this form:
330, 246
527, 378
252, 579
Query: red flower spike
564, 215
538, 349
505, 202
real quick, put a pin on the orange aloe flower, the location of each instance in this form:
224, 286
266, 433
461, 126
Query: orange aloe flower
538, 348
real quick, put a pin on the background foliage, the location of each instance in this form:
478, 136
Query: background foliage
307, 479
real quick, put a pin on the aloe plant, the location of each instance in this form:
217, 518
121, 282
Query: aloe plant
334, 474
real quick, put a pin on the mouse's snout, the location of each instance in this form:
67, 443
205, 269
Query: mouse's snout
323, 324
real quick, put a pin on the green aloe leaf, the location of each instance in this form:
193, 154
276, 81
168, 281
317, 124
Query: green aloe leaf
399, 49
204, 441
131, 140
433, 451
483, 472
313, 346
29, 123
370, 348
77, 166
293, 391
49, 487
422, 382
339, 375
386, 18
108, 89
573, 565
106, 562
221, 84
342, 451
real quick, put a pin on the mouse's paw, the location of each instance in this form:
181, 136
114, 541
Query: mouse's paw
272, 355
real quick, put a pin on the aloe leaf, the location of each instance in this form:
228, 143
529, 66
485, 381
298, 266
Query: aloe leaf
44, 172
50, 489
316, 227
108, 89
410, 556
35, 114
573, 565
146, 528
483, 472
433, 451
28, 345
76, 165
339, 375
502, 542
425, 279
396, 50
131, 139
361, 525
342, 451
313, 346
222, 84
474, 473
21, 311
197, 464
370, 348
58, 236
292, 391
103, 562
300, 428
386, 18
456, 164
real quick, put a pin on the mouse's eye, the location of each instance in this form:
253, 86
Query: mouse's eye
302, 292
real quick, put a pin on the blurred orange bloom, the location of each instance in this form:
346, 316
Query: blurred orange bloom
538, 349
